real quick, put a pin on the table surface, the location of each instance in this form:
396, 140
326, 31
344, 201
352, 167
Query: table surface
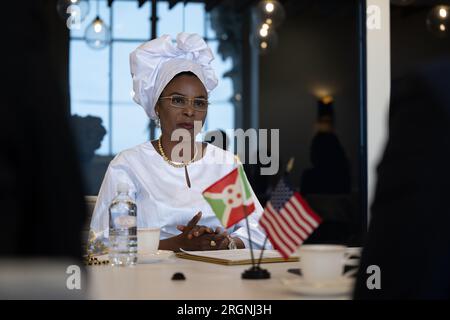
203, 281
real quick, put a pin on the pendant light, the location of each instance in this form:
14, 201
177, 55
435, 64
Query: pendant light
75, 9
438, 20
97, 34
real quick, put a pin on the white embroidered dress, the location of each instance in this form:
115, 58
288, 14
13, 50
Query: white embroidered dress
162, 196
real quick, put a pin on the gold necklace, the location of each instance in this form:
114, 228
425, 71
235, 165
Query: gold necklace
178, 165
173, 163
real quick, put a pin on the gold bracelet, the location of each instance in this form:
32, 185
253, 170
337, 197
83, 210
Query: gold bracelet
90, 260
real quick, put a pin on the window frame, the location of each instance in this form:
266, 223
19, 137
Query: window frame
116, 40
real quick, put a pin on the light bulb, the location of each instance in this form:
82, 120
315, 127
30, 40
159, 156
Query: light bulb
263, 32
265, 41
270, 12
97, 26
269, 7
97, 34
73, 8
438, 20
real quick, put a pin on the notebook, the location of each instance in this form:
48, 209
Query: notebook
234, 257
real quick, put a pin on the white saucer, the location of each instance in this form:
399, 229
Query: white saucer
155, 257
343, 286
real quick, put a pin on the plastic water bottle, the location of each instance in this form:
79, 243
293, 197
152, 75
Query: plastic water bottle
122, 228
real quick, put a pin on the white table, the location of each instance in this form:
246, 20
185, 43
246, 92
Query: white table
203, 281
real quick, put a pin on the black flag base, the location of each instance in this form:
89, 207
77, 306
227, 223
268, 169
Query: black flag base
256, 273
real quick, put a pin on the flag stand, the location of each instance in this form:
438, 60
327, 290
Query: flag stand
215, 192
255, 272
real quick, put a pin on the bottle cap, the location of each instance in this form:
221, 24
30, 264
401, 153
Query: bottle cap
122, 187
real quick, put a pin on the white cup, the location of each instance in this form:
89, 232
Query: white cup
324, 262
148, 240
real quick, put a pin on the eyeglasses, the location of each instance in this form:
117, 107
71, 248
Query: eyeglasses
178, 101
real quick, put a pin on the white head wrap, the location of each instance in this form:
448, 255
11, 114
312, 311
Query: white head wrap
154, 63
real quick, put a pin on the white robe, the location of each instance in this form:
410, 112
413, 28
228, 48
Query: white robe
162, 196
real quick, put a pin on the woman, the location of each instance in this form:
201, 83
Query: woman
167, 176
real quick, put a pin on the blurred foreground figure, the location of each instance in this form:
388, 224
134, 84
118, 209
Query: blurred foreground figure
40, 189
409, 238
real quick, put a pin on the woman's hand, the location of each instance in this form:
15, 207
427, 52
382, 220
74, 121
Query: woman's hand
222, 239
224, 244
192, 229
195, 237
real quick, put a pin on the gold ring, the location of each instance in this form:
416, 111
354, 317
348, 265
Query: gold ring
212, 243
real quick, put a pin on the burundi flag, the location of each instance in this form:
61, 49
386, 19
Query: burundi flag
230, 197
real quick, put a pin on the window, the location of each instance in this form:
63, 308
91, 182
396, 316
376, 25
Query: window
100, 80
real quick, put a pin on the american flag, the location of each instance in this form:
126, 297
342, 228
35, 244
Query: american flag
287, 219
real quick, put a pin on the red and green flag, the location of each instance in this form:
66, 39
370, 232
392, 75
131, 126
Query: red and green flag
230, 197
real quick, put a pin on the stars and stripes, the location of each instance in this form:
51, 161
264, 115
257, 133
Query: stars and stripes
287, 219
